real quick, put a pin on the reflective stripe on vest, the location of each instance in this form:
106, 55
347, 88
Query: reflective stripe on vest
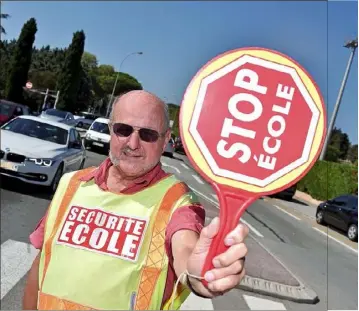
149, 293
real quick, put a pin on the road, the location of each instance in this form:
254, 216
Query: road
328, 264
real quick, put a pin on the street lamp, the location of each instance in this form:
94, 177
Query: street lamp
118, 73
353, 44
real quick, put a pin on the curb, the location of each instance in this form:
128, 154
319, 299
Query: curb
301, 293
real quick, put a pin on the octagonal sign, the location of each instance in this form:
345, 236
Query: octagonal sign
253, 119
252, 122
260, 89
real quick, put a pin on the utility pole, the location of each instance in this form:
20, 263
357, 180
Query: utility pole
109, 105
353, 46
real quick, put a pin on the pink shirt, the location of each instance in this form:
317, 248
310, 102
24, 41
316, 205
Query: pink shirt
185, 218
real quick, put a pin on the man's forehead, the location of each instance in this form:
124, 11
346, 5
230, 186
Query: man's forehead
138, 105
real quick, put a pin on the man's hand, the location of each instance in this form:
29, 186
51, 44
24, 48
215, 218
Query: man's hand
229, 266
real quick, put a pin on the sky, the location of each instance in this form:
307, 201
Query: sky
178, 38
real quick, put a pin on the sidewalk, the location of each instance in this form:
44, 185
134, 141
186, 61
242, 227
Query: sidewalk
306, 198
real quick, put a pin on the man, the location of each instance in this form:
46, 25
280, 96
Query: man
119, 236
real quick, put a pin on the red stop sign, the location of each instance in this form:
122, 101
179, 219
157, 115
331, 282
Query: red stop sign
263, 123
252, 122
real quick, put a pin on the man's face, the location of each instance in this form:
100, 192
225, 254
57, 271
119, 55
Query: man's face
133, 156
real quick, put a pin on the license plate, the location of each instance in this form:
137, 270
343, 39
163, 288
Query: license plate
98, 144
9, 165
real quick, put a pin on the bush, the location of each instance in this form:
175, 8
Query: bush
327, 180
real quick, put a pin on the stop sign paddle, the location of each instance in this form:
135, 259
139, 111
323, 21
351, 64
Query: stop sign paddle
252, 122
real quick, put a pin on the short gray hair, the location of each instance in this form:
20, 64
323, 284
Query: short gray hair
166, 112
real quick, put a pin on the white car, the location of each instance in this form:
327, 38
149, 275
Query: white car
39, 151
98, 135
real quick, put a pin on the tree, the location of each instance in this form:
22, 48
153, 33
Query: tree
89, 62
332, 154
20, 62
352, 155
69, 78
174, 116
340, 142
3, 16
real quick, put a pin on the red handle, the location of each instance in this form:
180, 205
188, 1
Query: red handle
231, 208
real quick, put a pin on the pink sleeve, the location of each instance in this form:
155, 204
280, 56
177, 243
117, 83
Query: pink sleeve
37, 236
185, 218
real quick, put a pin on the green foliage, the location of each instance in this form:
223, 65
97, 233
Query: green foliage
338, 147
352, 155
332, 154
20, 62
174, 115
69, 77
327, 180
7, 49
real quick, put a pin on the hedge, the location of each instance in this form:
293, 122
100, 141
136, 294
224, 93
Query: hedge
327, 180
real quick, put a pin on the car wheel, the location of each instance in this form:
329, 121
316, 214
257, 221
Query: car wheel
353, 232
80, 124
320, 217
56, 179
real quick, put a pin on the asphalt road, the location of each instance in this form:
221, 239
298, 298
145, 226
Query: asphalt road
329, 265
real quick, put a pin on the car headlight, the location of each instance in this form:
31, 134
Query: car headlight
41, 162
88, 135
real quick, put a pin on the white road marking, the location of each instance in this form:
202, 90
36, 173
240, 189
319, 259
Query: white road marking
284, 211
199, 180
16, 261
185, 166
175, 168
334, 239
252, 229
255, 303
194, 302
204, 196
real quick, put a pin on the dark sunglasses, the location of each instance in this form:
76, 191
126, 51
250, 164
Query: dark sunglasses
125, 130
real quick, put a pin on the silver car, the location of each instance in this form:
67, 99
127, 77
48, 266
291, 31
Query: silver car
169, 148
59, 116
40, 151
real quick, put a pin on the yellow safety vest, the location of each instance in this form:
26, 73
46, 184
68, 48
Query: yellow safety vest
107, 251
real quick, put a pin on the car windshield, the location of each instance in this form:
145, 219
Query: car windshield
6, 109
38, 130
56, 113
100, 128
88, 116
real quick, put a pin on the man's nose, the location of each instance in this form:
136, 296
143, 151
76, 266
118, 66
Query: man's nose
134, 141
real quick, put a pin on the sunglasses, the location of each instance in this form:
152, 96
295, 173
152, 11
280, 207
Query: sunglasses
125, 130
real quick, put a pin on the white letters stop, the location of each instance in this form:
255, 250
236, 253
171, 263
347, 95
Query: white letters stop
276, 125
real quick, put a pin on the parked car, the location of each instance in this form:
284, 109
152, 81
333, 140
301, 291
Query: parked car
98, 135
287, 193
178, 146
39, 151
341, 213
85, 119
10, 110
169, 148
59, 116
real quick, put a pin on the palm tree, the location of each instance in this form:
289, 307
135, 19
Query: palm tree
3, 16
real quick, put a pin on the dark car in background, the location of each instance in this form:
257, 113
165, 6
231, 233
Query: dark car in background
340, 213
178, 146
287, 193
10, 110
